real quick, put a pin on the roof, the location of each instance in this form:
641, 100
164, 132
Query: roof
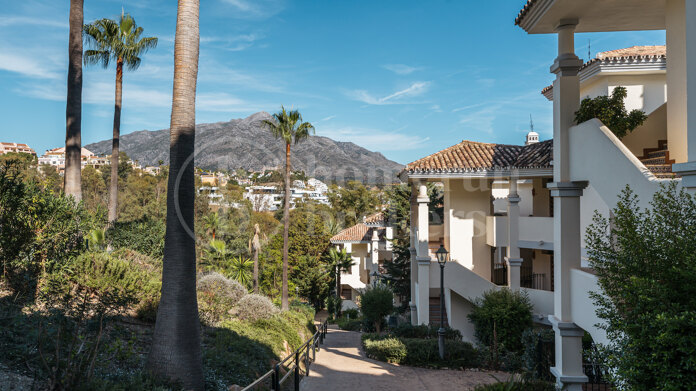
528, 6
376, 219
635, 55
359, 233
469, 156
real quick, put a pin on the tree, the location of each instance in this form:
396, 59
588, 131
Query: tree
645, 262
339, 262
376, 303
255, 247
612, 112
288, 126
353, 201
119, 41
73, 111
93, 188
211, 223
314, 282
175, 352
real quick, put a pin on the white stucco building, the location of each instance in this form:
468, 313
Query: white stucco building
582, 170
369, 244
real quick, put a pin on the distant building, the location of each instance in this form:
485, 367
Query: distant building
15, 147
56, 158
270, 198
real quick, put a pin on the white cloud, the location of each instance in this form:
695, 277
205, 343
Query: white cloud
401, 69
256, 9
13, 20
415, 89
232, 43
30, 66
99, 93
224, 102
374, 139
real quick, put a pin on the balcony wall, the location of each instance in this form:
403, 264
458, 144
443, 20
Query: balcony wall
535, 232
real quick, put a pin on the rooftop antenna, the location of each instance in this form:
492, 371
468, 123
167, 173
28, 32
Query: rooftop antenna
589, 49
531, 123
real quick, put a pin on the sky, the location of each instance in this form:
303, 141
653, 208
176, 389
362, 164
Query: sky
403, 77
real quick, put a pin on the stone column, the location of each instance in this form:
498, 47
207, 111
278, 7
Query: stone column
413, 226
422, 256
513, 260
374, 253
567, 238
681, 99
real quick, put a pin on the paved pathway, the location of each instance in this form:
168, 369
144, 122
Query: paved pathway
341, 365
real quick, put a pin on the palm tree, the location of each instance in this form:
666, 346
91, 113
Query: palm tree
175, 352
239, 269
340, 261
216, 252
73, 112
255, 246
211, 223
119, 41
288, 126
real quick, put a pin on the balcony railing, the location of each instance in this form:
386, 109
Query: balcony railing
528, 279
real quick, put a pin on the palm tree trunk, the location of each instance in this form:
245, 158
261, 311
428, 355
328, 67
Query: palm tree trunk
256, 270
176, 345
73, 111
286, 229
338, 281
113, 189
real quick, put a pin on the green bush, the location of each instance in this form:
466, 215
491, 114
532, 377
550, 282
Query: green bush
407, 330
351, 313
376, 302
145, 236
390, 350
645, 260
254, 307
534, 385
538, 353
217, 295
420, 352
349, 324
500, 317
612, 112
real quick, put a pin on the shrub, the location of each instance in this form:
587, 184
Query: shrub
500, 317
420, 352
407, 330
351, 313
515, 385
254, 307
333, 305
612, 112
217, 295
349, 324
646, 268
390, 350
145, 235
376, 303
538, 353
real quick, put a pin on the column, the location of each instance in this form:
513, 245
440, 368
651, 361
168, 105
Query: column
681, 89
513, 260
567, 236
422, 256
413, 225
374, 253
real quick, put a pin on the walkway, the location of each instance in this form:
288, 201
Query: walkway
342, 365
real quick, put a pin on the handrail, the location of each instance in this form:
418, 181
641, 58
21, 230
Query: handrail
299, 358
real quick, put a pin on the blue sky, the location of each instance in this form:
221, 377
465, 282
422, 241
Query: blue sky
403, 77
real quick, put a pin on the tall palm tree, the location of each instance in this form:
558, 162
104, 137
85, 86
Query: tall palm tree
73, 111
119, 41
340, 261
175, 352
288, 126
255, 246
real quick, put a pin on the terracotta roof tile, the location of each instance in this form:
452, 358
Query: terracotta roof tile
374, 219
527, 7
357, 233
655, 52
476, 156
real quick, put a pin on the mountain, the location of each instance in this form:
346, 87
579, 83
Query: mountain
246, 143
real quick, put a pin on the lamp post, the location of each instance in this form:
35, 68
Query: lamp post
375, 277
442, 255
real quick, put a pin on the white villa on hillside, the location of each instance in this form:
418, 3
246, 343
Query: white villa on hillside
538, 240
369, 244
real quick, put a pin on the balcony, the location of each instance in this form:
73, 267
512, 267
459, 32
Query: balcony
535, 232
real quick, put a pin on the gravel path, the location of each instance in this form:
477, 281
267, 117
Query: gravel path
341, 365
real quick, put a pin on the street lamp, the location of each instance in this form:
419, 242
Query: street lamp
442, 256
375, 276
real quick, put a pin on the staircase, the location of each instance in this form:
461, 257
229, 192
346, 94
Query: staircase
435, 312
657, 160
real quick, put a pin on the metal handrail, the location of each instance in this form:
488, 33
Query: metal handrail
276, 380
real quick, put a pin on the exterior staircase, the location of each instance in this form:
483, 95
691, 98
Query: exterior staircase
435, 312
657, 160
